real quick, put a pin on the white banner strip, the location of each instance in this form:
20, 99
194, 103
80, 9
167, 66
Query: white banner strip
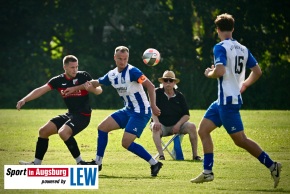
51, 177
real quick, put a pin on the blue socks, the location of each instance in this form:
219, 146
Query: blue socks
134, 148
265, 159
208, 162
102, 142
139, 151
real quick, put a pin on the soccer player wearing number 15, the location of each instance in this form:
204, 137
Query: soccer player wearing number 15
230, 61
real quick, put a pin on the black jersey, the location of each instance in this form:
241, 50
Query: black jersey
172, 109
77, 102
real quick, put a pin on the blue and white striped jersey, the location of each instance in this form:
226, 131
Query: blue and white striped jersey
129, 89
235, 57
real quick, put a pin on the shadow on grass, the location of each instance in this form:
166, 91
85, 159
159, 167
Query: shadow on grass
278, 190
126, 177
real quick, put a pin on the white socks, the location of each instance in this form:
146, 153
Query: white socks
37, 161
152, 161
99, 160
78, 159
207, 171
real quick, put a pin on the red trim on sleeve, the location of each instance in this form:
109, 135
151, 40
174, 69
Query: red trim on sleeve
50, 86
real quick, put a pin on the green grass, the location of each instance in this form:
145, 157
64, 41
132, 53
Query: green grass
235, 170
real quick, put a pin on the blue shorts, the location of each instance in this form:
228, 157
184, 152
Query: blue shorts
133, 122
226, 115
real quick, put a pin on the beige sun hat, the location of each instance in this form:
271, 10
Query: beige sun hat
168, 75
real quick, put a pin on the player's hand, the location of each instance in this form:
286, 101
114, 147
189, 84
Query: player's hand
207, 70
243, 88
19, 104
69, 91
89, 86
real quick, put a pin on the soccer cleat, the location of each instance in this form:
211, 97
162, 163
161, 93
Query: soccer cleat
93, 162
197, 159
155, 168
203, 178
276, 173
82, 163
26, 163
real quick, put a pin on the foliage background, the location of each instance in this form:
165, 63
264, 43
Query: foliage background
36, 35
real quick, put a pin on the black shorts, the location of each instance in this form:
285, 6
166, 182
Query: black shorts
76, 121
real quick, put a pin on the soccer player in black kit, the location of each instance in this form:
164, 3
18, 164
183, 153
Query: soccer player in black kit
71, 123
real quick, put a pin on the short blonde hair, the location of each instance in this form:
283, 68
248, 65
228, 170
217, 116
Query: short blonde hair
121, 49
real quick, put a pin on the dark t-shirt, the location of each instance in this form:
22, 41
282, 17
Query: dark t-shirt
172, 109
77, 102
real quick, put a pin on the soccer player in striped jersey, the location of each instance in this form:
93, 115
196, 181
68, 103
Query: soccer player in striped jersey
129, 82
230, 62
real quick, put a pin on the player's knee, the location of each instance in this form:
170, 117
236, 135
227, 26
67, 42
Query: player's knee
44, 132
103, 126
100, 126
64, 133
240, 142
202, 133
240, 139
41, 132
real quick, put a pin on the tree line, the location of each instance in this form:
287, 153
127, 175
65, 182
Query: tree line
36, 35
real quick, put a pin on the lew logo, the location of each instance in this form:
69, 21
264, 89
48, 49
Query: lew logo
51, 177
83, 176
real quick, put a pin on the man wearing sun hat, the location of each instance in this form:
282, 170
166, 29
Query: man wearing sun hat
174, 117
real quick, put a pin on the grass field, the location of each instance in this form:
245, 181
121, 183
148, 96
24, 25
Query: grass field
235, 170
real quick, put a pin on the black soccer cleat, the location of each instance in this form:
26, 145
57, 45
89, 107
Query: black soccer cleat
155, 168
93, 162
82, 163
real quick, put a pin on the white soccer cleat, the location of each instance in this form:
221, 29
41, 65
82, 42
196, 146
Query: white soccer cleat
203, 178
276, 173
25, 163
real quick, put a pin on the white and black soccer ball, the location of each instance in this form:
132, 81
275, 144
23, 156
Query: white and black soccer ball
151, 57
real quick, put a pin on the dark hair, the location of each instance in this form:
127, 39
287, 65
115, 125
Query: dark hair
69, 58
225, 22
121, 49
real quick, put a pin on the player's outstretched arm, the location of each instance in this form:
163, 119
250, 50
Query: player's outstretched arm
71, 90
36, 93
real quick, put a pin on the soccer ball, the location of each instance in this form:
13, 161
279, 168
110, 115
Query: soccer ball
151, 57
